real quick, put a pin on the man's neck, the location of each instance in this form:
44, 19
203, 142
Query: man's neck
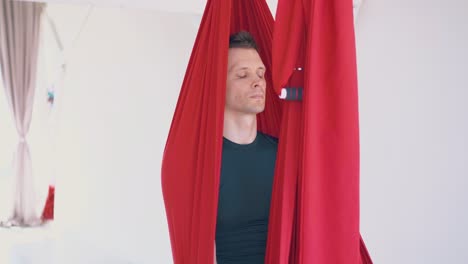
240, 128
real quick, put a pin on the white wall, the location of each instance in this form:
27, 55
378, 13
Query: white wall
121, 89
413, 62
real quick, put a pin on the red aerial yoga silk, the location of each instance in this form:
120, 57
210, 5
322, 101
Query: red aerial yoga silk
315, 202
314, 215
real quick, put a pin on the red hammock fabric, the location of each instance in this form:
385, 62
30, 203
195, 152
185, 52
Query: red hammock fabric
48, 212
318, 209
315, 204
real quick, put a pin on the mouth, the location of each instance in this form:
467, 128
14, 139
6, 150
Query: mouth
257, 96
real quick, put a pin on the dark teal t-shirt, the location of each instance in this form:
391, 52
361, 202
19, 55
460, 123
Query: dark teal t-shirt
244, 200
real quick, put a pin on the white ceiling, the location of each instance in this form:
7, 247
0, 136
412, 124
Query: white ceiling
183, 6
178, 6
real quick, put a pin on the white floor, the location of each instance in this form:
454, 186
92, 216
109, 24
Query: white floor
45, 245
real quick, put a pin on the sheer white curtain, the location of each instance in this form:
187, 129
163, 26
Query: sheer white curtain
19, 44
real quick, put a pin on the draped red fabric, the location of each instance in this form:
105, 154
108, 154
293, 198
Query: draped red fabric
191, 161
48, 212
314, 209
315, 206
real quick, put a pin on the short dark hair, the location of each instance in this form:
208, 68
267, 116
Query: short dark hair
242, 39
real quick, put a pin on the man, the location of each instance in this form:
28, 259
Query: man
248, 159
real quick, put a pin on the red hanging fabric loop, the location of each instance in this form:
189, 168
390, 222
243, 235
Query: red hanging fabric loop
314, 215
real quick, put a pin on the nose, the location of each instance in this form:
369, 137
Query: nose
258, 83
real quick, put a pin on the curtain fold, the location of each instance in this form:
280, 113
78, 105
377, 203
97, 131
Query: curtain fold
314, 50
192, 156
19, 44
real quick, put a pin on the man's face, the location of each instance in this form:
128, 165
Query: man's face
245, 87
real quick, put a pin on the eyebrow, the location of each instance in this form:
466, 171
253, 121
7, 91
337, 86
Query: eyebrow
246, 68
